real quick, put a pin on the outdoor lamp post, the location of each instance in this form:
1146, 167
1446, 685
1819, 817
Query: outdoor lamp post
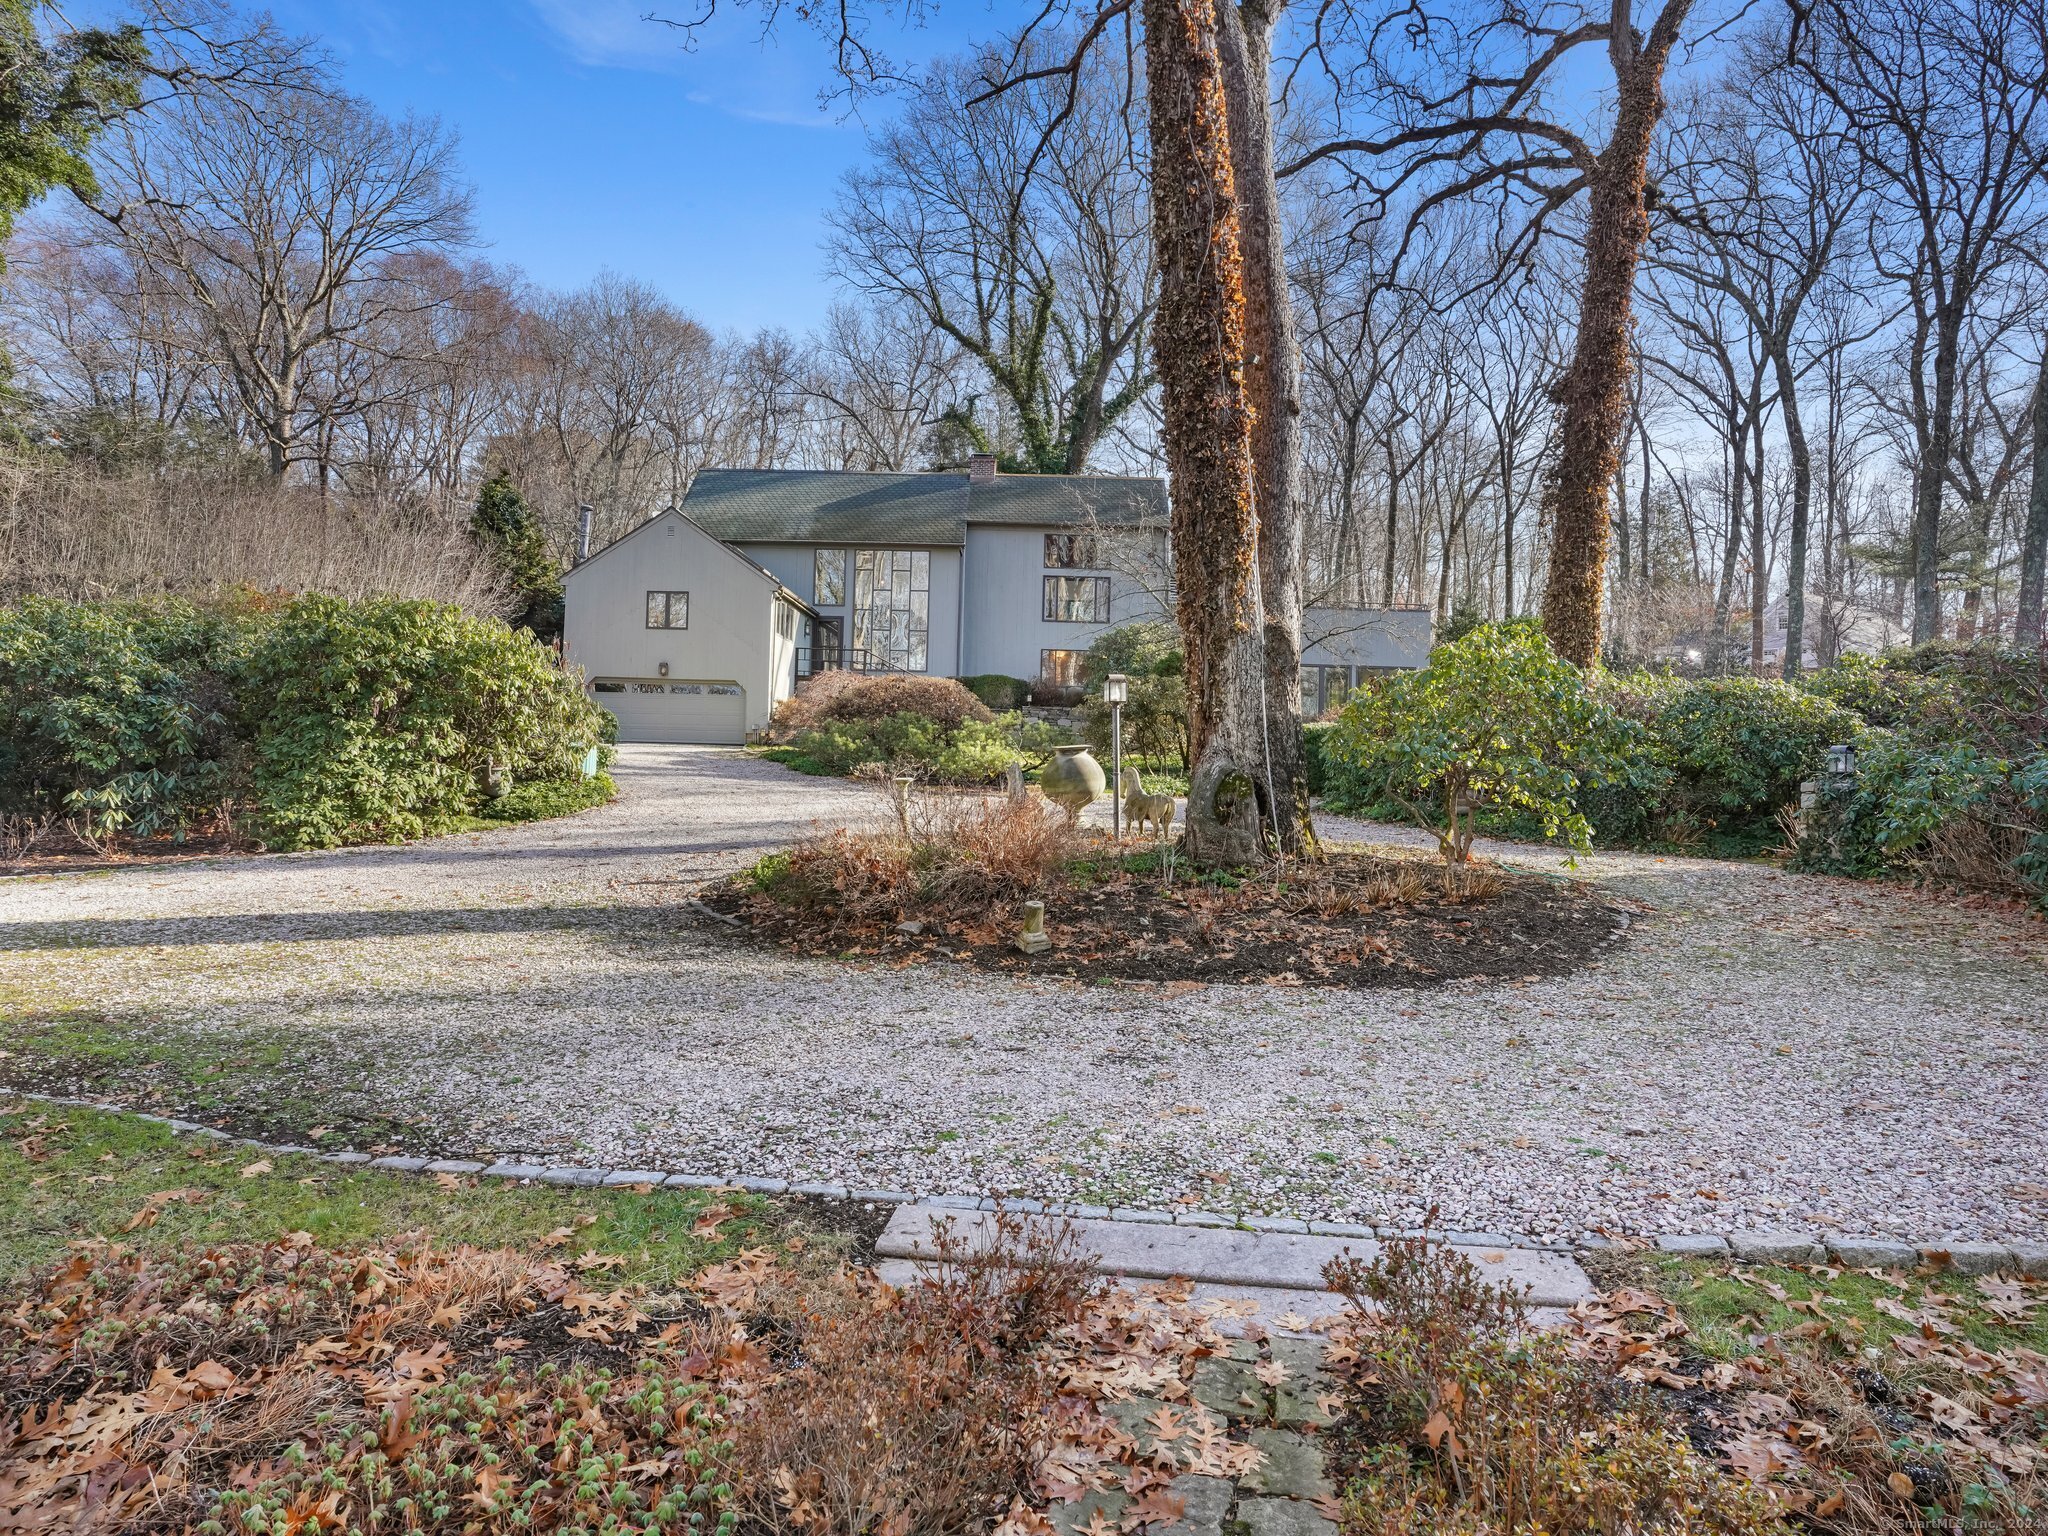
1841, 761
1115, 689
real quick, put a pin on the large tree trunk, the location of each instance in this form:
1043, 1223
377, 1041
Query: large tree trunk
1759, 573
1731, 550
1273, 386
1593, 394
1932, 480
1802, 509
2034, 538
1199, 344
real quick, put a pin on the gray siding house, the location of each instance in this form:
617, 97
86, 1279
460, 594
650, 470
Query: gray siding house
778, 574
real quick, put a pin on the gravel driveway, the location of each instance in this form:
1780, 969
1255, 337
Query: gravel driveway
1763, 1050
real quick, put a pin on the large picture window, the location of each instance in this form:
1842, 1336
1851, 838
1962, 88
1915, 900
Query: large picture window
668, 610
1077, 599
1071, 552
892, 606
828, 578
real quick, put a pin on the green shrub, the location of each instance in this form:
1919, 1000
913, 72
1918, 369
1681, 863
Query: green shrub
1951, 813
1497, 718
117, 713
1315, 754
330, 721
1886, 696
371, 720
975, 752
1737, 747
1156, 713
999, 692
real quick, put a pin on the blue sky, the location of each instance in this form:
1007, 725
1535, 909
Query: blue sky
594, 139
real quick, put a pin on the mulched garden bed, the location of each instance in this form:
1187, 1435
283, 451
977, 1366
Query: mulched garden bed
1354, 920
60, 852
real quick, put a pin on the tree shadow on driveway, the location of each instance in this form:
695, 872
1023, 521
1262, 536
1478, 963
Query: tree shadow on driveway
318, 927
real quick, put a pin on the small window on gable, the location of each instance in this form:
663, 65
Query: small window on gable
668, 610
1071, 552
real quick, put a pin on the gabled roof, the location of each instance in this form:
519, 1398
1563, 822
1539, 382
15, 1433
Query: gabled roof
766, 575
829, 506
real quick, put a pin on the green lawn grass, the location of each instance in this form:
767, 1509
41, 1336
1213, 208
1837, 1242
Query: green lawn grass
1727, 1306
68, 1173
531, 802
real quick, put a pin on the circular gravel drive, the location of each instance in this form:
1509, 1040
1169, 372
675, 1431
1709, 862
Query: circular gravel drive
1762, 1050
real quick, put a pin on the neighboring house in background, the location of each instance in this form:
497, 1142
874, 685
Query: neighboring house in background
949, 574
1833, 628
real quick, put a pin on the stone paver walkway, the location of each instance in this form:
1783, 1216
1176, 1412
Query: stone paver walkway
1268, 1394
1763, 1051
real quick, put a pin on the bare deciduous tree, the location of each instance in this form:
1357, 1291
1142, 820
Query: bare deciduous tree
1024, 243
1945, 102
280, 223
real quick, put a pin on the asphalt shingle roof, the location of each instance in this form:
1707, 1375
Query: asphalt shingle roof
826, 506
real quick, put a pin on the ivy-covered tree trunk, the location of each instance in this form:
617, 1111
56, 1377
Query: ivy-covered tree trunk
1199, 344
1592, 397
1273, 386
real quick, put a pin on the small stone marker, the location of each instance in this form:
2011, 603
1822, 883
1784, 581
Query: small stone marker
1013, 780
1031, 938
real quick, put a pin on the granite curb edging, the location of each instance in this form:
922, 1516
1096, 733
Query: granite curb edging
1791, 1247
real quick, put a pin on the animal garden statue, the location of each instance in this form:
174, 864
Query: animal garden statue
1141, 809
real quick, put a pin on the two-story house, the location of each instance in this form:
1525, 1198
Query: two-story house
695, 625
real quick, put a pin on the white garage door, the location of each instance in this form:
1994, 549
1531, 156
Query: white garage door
662, 709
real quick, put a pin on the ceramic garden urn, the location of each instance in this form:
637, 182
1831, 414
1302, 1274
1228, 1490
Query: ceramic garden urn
1073, 779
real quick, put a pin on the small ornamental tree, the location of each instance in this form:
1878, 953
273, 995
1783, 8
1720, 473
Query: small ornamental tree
1156, 713
504, 526
1497, 718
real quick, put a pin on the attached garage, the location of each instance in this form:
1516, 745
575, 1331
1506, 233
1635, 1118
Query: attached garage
664, 709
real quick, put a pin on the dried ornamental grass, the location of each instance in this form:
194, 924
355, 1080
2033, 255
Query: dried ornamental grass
922, 1412
950, 853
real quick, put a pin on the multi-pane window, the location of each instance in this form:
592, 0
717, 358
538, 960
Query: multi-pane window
1077, 599
1061, 667
1071, 552
828, 578
1324, 690
668, 610
892, 605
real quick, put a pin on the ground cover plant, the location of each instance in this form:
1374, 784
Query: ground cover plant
421, 1386
929, 728
947, 880
198, 1351
1880, 1402
306, 723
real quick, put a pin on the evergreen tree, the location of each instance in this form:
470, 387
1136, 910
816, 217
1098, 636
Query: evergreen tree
59, 87
504, 527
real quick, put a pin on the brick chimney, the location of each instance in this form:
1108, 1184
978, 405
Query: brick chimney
981, 469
